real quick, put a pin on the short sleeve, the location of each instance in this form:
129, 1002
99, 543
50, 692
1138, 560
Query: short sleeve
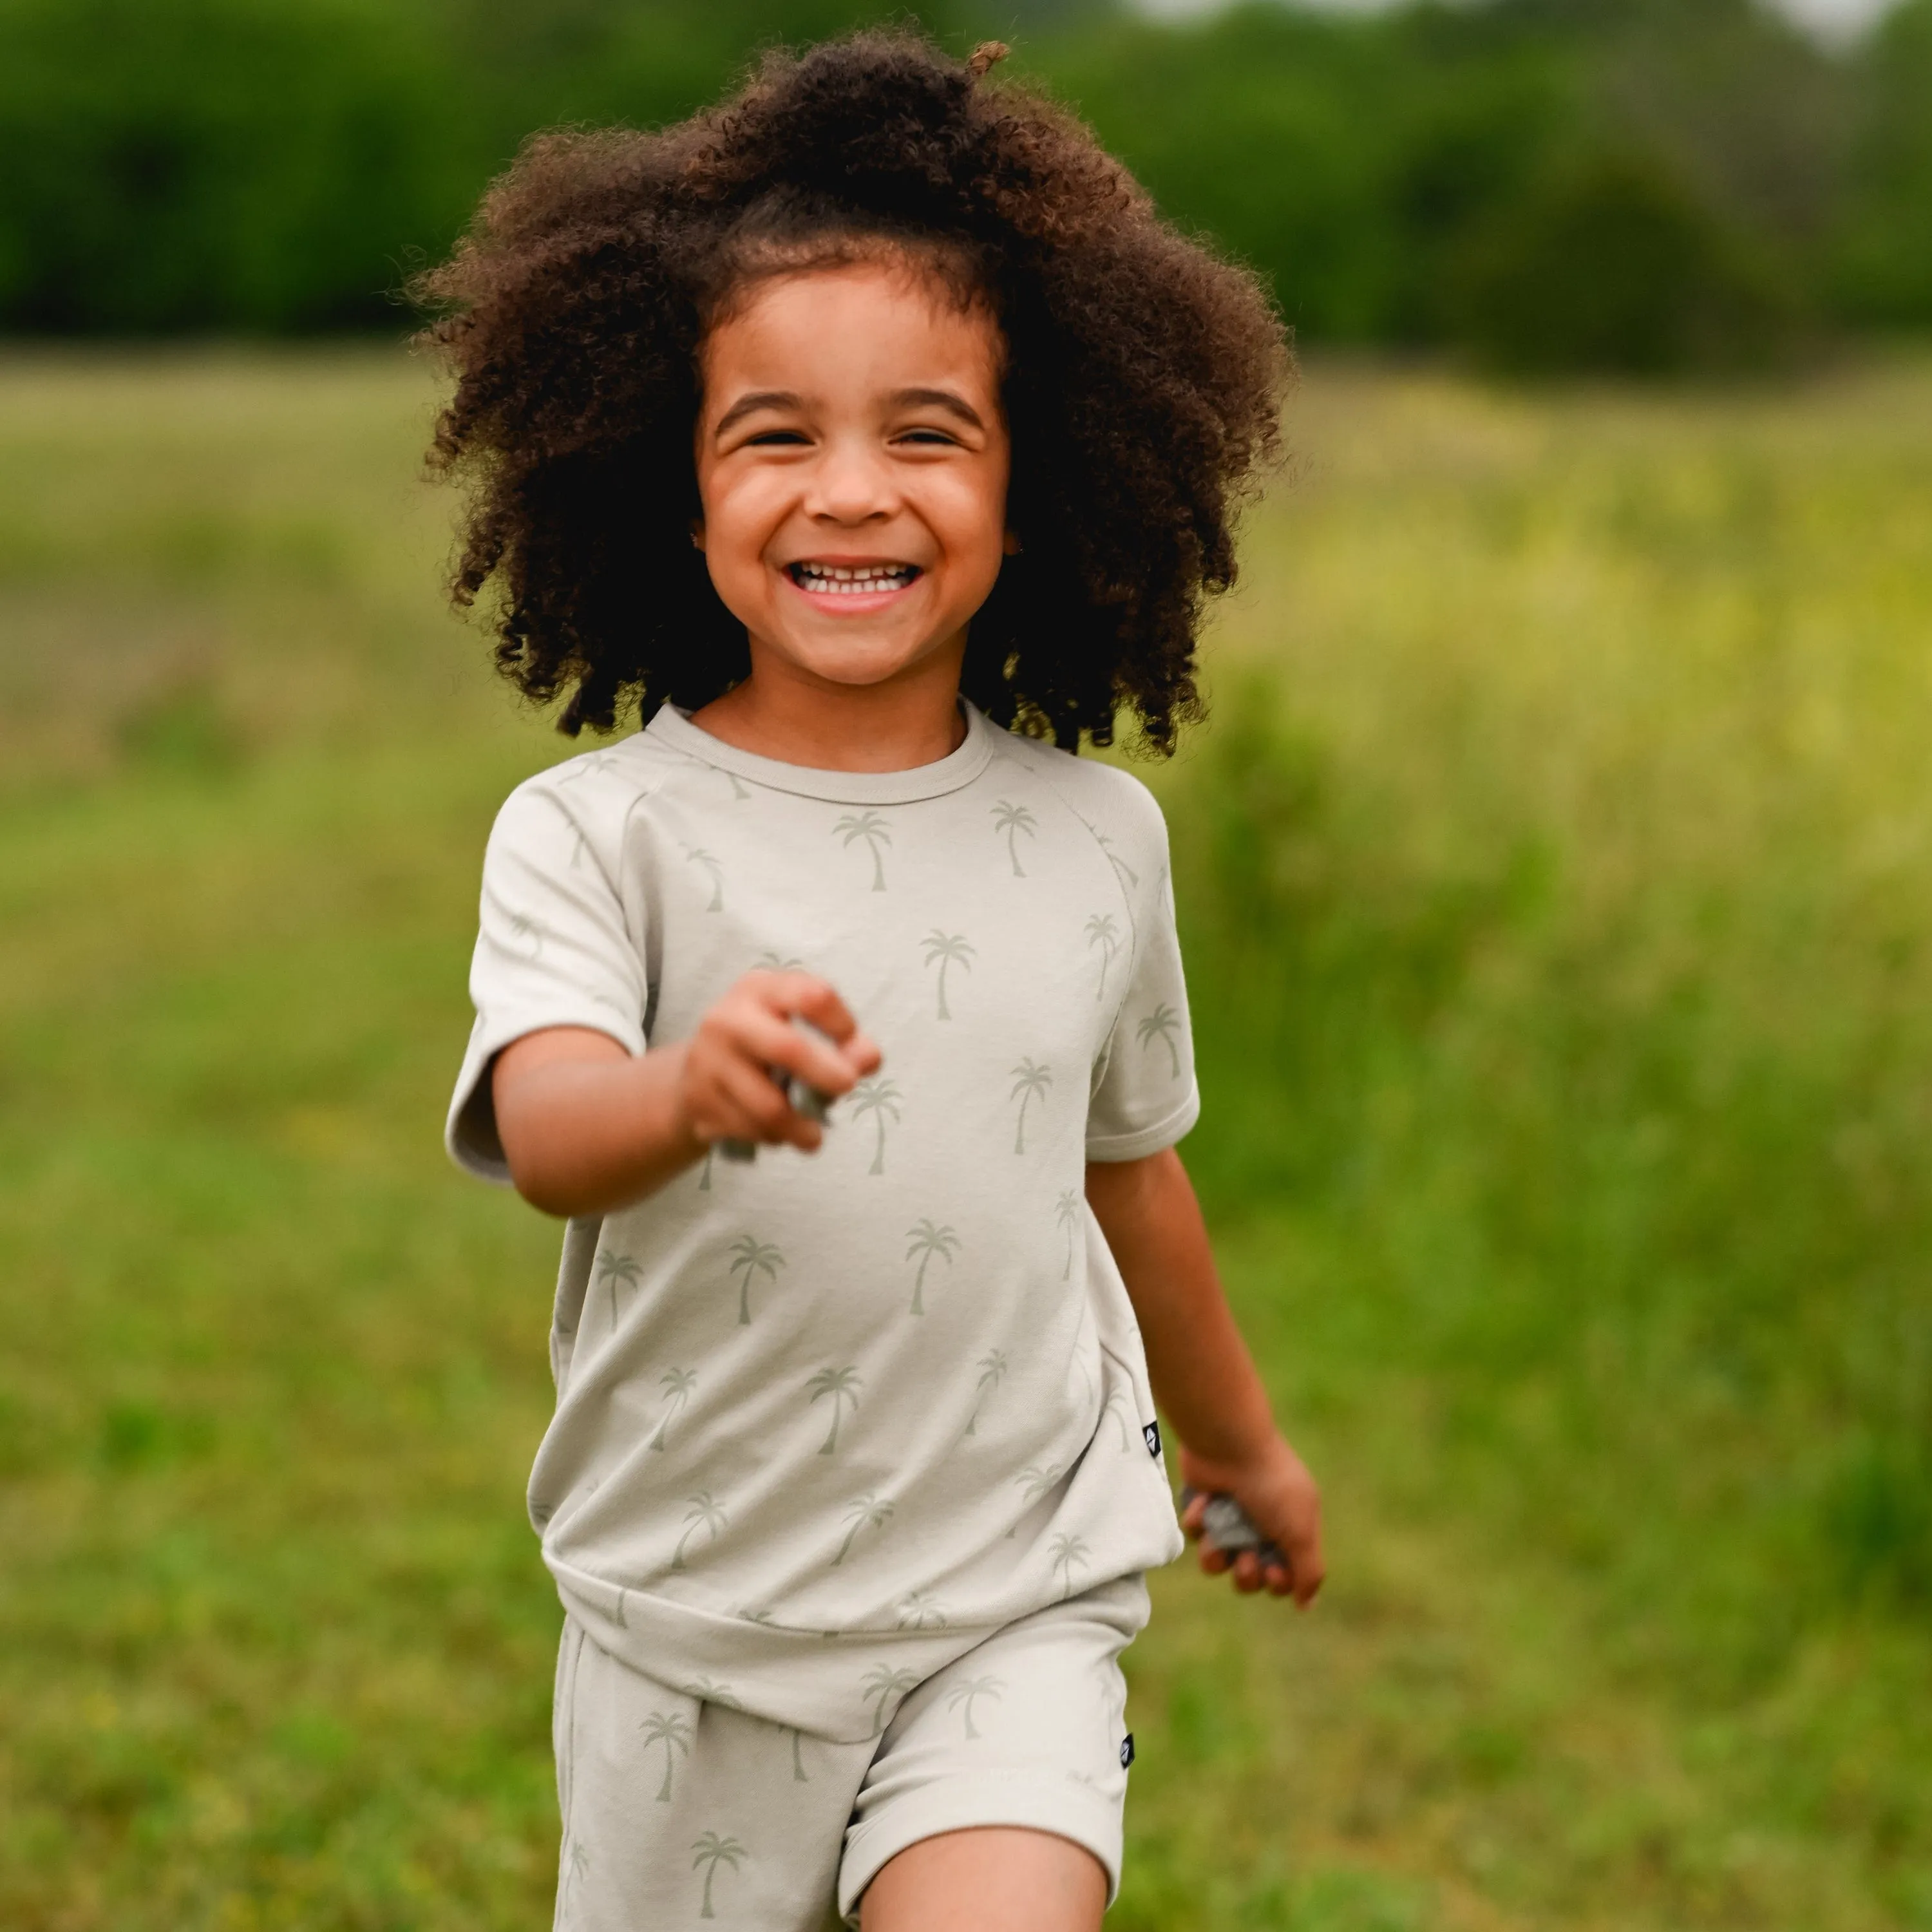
1144, 1096
554, 949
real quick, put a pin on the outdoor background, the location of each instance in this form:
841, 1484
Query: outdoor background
1556, 879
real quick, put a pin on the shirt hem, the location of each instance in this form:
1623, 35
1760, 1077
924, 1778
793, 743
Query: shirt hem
1162, 1134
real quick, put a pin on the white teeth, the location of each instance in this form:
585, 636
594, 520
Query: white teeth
845, 581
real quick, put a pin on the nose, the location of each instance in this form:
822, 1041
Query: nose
851, 483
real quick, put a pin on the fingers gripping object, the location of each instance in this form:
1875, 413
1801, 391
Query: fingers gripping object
802, 1098
1227, 1527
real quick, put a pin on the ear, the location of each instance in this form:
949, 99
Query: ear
698, 532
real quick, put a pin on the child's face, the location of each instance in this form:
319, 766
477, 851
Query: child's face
852, 465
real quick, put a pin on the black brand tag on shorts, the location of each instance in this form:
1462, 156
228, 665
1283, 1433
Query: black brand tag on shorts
1150, 1434
1126, 1750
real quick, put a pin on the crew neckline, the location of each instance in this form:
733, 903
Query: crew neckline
959, 767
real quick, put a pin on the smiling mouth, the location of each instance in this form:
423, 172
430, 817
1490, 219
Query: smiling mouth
839, 580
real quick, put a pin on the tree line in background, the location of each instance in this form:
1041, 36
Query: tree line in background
1640, 185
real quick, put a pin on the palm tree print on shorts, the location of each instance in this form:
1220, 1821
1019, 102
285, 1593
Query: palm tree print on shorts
1066, 1212
750, 1257
714, 870
1162, 1024
677, 1385
882, 1100
1012, 820
710, 1852
947, 949
706, 1513
1069, 1553
967, 1692
843, 1386
883, 1686
673, 1733
706, 1692
992, 1367
877, 833
920, 1609
869, 1511
1103, 932
928, 1240
615, 1268
1029, 1080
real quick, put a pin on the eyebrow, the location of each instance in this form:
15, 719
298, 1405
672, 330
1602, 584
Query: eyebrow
755, 400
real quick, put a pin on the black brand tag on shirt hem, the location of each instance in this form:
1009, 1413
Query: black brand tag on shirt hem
1150, 1435
1126, 1750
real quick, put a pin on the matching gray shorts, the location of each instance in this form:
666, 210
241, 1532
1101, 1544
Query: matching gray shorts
677, 1810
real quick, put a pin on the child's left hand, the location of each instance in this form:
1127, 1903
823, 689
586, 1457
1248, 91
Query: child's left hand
1284, 1502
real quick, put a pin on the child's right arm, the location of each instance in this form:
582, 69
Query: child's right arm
587, 1128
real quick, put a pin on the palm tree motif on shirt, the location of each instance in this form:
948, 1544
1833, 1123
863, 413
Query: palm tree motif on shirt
704, 1513
948, 949
967, 1691
992, 1366
673, 1733
738, 791
577, 1869
579, 845
525, 929
1035, 1479
772, 961
615, 1268
1116, 1406
698, 856
870, 1511
677, 1385
881, 1098
710, 1852
1029, 1080
928, 1240
1066, 1212
920, 1609
1102, 932
1114, 858
1069, 1553
750, 1257
883, 1685
706, 1692
877, 833
842, 1385
1162, 1024
1012, 820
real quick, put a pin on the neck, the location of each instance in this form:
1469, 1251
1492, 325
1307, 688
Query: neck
784, 711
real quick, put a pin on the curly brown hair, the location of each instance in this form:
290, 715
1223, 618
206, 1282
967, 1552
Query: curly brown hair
1142, 379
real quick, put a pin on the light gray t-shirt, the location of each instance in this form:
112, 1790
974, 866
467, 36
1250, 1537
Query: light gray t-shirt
824, 1421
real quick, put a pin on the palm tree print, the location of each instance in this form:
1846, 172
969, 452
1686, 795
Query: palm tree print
1035, 1479
918, 1610
1070, 1553
1028, 1080
673, 1733
842, 1385
706, 1692
615, 1268
1102, 932
1116, 1407
868, 1511
1114, 858
992, 1367
711, 1852
948, 949
883, 1686
772, 961
753, 1257
526, 928
579, 1870
882, 1100
1066, 1212
1012, 820
798, 1773
698, 856
967, 1691
928, 1240
877, 833
704, 1513
1162, 1024
677, 1385
738, 791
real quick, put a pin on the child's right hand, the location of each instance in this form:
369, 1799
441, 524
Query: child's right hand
725, 1090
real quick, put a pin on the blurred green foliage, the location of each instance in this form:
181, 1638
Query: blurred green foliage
1644, 185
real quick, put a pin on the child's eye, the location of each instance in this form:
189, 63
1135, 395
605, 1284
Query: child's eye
774, 436
936, 436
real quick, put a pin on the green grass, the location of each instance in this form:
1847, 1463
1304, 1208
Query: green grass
1555, 881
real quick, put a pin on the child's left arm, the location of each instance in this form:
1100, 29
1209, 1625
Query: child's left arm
1202, 1373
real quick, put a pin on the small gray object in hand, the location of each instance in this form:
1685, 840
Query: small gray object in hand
1227, 1527
801, 1098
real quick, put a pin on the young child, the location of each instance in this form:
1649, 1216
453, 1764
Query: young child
872, 434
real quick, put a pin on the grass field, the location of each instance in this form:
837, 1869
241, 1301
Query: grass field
1557, 881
